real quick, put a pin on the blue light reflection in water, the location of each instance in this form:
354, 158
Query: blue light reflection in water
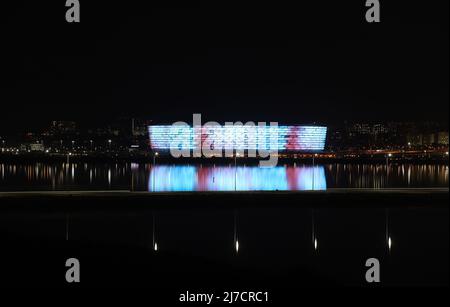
195, 178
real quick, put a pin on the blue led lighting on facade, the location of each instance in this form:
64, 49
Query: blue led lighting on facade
288, 138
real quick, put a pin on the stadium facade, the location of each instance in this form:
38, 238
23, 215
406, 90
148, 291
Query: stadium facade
239, 137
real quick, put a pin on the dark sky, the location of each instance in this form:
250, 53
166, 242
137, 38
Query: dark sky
298, 64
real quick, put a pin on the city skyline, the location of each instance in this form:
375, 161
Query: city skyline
130, 121
134, 135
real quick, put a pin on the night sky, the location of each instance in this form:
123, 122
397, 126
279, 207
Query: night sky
298, 64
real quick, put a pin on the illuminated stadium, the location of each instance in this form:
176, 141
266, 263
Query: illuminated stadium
239, 137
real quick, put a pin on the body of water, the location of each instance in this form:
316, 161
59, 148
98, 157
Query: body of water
146, 177
233, 242
210, 248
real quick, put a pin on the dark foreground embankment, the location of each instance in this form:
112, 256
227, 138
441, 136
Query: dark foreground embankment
126, 201
275, 242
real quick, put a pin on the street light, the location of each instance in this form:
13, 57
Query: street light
235, 170
154, 158
109, 143
153, 170
389, 155
313, 167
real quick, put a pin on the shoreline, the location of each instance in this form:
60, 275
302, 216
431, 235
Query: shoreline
440, 160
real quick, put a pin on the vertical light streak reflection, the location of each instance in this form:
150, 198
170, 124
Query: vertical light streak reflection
154, 243
315, 242
236, 239
388, 235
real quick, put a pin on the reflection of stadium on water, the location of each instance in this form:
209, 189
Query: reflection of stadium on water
196, 178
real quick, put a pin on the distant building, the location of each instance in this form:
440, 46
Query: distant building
379, 129
139, 127
62, 127
36, 147
414, 139
429, 139
360, 128
442, 138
